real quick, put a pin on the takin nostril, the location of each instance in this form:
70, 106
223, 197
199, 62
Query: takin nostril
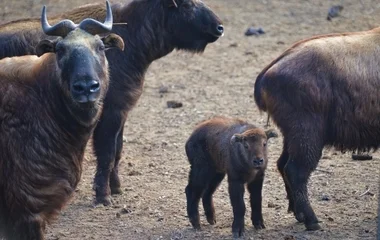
79, 87
220, 29
94, 86
259, 161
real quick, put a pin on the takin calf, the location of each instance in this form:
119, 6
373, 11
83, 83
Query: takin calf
49, 107
155, 28
219, 146
323, 91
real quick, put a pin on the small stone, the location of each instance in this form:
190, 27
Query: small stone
233, 45
289, 237
118, 215
125, 210
271, 205
334, 11
330, 219
160, 219
134, 173
163, 89
174, 104
325, 198
254, 31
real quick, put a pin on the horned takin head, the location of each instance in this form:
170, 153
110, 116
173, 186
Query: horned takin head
80, 55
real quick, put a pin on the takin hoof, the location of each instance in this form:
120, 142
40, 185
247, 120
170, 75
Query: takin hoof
259, 225
312, 226
195, 223
238, 233
300, 217
105, 200
116, 191
211, 220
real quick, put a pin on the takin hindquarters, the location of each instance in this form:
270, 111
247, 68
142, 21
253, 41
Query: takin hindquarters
323, 91
219, 146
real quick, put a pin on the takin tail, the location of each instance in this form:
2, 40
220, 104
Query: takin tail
258, 91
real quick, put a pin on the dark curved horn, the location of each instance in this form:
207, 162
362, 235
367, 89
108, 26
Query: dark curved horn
60, 29
95, 27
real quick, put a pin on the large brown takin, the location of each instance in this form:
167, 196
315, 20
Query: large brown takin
221, 146
323, 91
155, 28
49, 107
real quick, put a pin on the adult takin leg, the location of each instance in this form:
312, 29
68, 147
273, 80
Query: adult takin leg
106, 136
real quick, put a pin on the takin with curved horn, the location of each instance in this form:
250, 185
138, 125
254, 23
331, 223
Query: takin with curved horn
49, 107
155, 28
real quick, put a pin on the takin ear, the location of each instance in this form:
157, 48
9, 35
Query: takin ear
45, 46
236, 138
271, 133
171, 3
113, 41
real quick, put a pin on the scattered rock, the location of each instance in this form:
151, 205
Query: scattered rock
160, 219
359, 156
254, 31
125, 210
271, 205
130, 164
280, 43
334, 11
325, 198
330, 219
134, 173
289, 237
151, 165
233, 45
163, 89
118, 215
174, 104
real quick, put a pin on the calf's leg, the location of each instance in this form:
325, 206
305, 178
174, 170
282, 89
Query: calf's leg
208, 204
199, 178
255, 189
236, 191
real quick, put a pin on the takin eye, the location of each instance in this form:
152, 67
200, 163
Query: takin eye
101, 48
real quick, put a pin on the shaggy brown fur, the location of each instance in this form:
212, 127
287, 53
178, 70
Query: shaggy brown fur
155, 28
323, 91
227, 146
44, 131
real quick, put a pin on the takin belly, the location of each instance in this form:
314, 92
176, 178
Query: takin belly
354, 119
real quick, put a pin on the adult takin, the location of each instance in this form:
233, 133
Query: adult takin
155, 28
49, 107
221, 146
322, 91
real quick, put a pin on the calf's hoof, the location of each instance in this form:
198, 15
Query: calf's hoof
312, 226
196, 226
116, 190
105, 200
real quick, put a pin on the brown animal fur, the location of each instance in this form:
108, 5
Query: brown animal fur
322, 91
226, 146
44, 132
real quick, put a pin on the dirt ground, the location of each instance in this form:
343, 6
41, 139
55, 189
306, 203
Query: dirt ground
154, 167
